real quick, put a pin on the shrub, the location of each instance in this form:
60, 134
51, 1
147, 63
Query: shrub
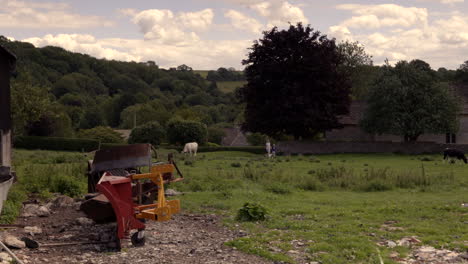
152, 133
236, 165
256, 139
216, 135
252, 212
183, 131
311, 184
68, 186
278, 188
101, 133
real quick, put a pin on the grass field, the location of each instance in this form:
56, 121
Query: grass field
334, 206
227, 87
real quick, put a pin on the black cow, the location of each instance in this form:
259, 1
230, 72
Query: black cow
454, 153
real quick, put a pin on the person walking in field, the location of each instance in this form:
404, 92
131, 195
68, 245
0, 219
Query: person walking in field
273, 150
268, 148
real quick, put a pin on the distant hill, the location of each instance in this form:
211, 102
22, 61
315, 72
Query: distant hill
89, 92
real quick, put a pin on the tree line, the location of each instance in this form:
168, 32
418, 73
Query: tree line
300, 82
58, 93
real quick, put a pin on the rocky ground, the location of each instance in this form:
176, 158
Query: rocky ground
64, 235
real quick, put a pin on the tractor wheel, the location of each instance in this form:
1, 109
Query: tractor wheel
138, 242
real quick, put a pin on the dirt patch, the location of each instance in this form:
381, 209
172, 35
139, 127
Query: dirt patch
187, 238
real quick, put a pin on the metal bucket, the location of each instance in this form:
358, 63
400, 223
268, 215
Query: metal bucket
5, 185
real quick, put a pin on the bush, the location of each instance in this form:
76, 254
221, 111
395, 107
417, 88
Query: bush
256, 139
183, 131
101, 133
68, 186
311, 184
251, 212
236, 165
52, 143
152, 133
216, 135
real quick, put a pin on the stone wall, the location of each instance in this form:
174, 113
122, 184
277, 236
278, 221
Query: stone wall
329, 147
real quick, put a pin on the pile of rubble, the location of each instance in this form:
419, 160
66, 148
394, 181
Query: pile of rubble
57, 232
424, 254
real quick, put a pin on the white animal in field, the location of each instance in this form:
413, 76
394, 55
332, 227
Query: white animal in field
191, 148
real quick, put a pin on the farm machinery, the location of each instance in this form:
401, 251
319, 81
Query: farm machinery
121, 192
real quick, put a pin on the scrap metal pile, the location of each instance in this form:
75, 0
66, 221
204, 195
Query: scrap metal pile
120, 192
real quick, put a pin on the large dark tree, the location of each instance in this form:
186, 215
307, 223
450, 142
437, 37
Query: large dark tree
408, 100
294, 84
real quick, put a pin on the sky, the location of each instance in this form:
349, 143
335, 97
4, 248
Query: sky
208, 34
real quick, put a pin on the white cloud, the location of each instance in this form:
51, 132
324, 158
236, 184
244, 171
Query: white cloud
23, 14
442, 42
204, 54
243, 22
276, 12
447, 2
385, 15
166, 27
83, 44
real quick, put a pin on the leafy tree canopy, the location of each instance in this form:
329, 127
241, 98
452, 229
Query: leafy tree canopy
294, 83
408, 100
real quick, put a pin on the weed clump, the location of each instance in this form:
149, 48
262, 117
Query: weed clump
311, 184
251, 212
426, 159
236, 165
278, 188
188, 163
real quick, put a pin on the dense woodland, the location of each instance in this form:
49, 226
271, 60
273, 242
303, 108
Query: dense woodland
58, 93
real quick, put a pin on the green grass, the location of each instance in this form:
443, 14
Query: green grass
335, 205
227, 87
340, 220
41, 173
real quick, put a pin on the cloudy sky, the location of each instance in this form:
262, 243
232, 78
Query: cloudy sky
207, 34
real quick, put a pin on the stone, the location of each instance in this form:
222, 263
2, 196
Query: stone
84, 221
33, 230
5, 257
63, 201
43, 211
408, 241
30, 210
391, 244
13, 242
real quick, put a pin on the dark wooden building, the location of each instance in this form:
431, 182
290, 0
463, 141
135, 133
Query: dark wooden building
7, 66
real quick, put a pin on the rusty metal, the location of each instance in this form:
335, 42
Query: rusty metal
121, 160
127, 195
121, 157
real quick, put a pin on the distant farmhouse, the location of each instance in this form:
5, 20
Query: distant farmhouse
353, 132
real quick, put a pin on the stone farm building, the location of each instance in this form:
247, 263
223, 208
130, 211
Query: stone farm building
353, 132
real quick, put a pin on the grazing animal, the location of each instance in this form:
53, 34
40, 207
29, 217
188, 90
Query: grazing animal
454, 153
191, 148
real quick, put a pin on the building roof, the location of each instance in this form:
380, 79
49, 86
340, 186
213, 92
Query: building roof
356, 110
7, 53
